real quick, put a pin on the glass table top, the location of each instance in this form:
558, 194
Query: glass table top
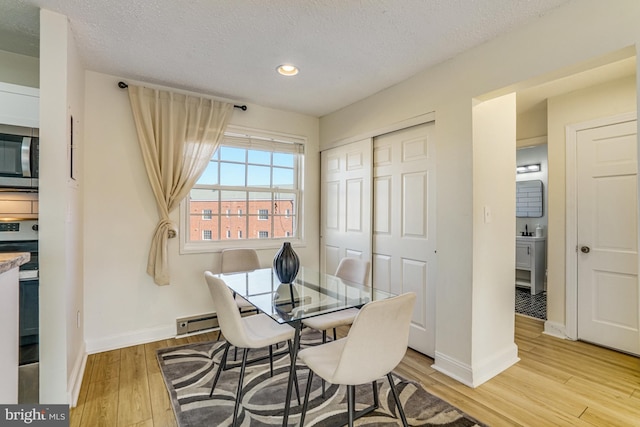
314, 293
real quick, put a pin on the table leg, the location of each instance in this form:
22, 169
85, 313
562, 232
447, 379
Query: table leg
296, 344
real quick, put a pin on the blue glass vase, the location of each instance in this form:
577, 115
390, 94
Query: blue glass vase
286, 263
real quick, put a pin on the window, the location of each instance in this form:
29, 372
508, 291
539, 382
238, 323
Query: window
259, 177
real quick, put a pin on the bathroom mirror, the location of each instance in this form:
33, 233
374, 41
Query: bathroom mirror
529, 199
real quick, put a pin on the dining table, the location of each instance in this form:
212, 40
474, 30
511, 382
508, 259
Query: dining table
312, 293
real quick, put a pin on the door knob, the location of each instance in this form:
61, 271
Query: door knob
585, 249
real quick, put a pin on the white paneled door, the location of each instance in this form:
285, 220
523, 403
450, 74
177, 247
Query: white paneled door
607, 218
404, 244
346, 204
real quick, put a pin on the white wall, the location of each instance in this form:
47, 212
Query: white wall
575, 36
123, 306
494, 136
19, 69
61, 252
609, 99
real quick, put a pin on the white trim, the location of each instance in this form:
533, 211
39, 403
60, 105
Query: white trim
140, 336
571, 223
531, 142
555, 329
474, 377
77, 374
414, 121
453, 368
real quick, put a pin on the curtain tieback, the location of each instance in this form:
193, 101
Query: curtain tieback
166, 227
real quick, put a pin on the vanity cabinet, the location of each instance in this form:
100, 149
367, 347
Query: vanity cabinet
530, 263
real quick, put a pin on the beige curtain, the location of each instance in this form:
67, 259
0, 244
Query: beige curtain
178, 134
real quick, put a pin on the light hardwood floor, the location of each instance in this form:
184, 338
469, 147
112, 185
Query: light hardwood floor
556, 383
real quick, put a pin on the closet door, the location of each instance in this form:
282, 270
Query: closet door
404, 243
345, 204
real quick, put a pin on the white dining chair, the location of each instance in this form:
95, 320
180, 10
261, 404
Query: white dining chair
250, 332
374, 346
352, 270
239, 260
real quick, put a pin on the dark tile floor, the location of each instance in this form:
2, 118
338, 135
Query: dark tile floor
531, 305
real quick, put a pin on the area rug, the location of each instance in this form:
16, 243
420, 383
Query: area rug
188, 372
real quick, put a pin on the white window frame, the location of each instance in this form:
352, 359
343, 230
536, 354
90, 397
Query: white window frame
210, 234
207, 214
252, 138
263, 214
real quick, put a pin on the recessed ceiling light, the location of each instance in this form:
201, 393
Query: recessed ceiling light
287, 70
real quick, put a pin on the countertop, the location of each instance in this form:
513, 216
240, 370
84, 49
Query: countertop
529, 238
9, 260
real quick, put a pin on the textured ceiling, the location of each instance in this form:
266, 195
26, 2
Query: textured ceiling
346, 49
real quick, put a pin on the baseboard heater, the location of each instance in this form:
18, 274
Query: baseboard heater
187, 325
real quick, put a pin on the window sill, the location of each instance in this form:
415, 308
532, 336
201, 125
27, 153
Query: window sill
218, 246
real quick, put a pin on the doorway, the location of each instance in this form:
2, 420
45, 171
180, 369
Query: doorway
545, 110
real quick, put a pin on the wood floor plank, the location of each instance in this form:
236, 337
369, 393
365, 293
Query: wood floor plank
163, 415
134, 397
101, 405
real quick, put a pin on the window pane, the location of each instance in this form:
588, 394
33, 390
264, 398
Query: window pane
259, 157
259, 176
283, 178
210, 175
232, 174
283, 159
232, 154
199, 229
283, 218
259, 201
198, 195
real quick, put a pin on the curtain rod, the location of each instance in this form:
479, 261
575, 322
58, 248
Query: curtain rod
123, 85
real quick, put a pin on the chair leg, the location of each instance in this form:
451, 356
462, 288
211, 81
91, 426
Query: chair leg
351, 403
271, 359
334, 334
324, 340
397, 399
306, 398
239, 393
376, 400
223, 363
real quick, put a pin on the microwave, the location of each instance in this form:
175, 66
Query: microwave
19, 159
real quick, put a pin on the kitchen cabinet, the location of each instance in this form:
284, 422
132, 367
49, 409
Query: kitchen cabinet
19, 105
530, 263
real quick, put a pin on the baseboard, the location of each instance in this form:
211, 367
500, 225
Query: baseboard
75, 379
453, 368
128, 339
555, 329
473, 377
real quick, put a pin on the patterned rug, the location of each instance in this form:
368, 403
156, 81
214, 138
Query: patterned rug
188, 372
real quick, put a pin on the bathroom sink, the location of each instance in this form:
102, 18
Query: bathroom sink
529, 238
